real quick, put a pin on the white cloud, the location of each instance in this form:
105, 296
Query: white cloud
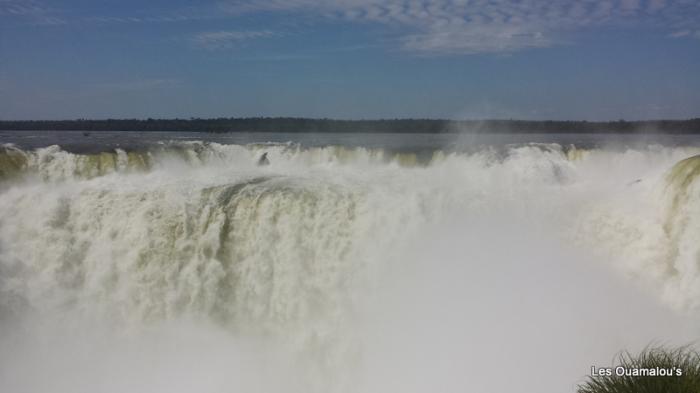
629, 5
680, 33
136, 85
492, 38
228, 39
30, 12
426, 26
655, 5
21, 7
685, 33
471, 26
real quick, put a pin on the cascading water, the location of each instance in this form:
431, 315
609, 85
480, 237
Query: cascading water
310, 273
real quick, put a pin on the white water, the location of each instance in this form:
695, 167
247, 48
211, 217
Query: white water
337, 270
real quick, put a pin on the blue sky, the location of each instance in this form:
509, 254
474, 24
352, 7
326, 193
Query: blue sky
474, 59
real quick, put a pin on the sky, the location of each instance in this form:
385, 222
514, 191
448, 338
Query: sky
350, 59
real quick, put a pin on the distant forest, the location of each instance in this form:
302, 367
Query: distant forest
283, 124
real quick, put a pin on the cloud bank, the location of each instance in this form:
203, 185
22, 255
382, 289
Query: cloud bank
477, 26
442, 27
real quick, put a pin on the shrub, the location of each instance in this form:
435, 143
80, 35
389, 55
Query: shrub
652, 358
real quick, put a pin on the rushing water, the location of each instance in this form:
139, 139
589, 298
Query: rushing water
171, 262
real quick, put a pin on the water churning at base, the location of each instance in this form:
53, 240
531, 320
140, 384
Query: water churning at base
293, 255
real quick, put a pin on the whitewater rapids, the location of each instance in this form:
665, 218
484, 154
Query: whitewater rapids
187, 267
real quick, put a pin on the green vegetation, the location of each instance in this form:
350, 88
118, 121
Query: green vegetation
281, 124
650, 362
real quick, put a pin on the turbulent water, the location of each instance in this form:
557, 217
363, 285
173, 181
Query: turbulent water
184, 266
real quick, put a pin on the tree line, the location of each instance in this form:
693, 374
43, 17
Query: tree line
289, 124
